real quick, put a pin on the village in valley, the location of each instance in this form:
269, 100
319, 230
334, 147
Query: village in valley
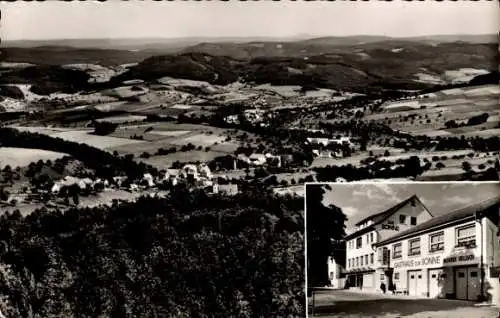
220, 137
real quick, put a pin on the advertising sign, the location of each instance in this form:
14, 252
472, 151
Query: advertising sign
429, 261
423, 261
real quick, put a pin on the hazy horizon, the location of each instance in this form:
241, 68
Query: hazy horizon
32, 21
243, 37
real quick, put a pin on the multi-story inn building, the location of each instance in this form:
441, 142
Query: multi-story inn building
361, 260
454, 256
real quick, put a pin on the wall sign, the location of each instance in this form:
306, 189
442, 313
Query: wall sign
459, 258
390, 227
437, 260
424, 261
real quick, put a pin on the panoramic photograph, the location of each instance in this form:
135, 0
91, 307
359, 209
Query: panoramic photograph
154, 155
413, 249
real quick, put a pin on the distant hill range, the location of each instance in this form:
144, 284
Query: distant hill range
121, 51
345, 63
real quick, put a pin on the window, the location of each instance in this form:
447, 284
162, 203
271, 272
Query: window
371, 237
413, 220
361, 260
402, 219
357, 261
331, 275
366, 259
349, 262
436, 242
414, 247
473, 274
359, 242
397, 251
367, 239
382, 276
413, 203
396, 276
371, 258
461, 274
466, 236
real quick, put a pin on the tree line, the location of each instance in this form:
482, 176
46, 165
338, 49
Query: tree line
106, 165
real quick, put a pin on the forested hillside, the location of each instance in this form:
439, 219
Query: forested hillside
190, 255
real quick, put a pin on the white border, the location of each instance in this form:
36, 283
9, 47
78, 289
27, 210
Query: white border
367, 182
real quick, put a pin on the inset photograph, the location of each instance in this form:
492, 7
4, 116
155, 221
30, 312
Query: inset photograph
415, 249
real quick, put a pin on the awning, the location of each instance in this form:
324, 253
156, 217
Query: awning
360, 270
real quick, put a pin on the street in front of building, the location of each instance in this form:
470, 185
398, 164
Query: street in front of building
330, 303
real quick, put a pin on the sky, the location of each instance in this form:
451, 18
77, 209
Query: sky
358, 200
173, 19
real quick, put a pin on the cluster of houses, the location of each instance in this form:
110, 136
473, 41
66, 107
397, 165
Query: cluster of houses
196, 176
258, 160
253, 116
330, 148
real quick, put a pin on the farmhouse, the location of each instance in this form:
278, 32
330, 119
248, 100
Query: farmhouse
454, 256
361, 265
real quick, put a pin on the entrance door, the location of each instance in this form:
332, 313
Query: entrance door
461, 283
473, 283
434, 286
414, 280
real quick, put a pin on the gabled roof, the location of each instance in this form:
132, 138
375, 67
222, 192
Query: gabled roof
382, 216
376, 218
463, 214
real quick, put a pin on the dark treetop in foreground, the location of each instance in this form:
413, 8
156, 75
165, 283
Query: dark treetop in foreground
190, 255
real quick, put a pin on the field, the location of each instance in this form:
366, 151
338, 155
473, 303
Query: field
163, 162
429, 115
209, 142
20, 157
122, 119
101, 142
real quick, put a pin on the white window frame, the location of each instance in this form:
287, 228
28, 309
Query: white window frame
410, 252
400, 252
437, 246
466, 241
360, 239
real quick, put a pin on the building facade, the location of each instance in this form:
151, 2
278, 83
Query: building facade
361, 257
455, 256
336, 274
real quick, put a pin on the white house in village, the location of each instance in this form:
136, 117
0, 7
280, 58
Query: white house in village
454, 256
360, 252
336, 273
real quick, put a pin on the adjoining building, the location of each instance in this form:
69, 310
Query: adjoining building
454, 256
361, 263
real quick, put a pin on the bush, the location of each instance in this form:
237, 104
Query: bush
104, 128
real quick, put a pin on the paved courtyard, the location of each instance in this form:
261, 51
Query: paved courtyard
340, 303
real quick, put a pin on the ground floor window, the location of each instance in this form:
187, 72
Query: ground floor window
355, 280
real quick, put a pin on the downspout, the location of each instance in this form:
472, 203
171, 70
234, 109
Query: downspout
481, 256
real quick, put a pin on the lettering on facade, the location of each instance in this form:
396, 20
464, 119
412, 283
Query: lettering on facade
390, 227
461, 258
424, 261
